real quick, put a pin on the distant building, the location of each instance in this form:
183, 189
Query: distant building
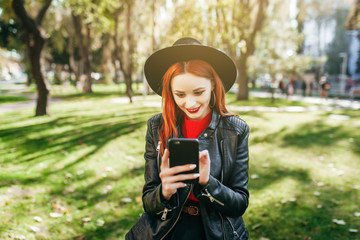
354, 49
328, 38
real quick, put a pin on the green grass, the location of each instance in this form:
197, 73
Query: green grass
294, 156
12, 99
99, 91
86, 159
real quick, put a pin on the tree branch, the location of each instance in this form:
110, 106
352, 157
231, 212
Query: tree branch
260, 16
27, 22
42, 12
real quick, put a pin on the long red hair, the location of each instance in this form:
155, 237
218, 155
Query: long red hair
172, 114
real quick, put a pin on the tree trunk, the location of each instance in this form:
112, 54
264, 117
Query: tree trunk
126, 63
57, 75
29, 79
300, 24
116, 52
35, 43
73, 66
84, 52
87, 63
243, 91
129, 91
41, 83
125, 51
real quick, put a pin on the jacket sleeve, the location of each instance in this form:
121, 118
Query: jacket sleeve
153, 201
231, 199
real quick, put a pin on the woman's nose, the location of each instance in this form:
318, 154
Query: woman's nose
190, 101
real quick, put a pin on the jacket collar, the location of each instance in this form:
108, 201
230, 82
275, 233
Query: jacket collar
215, 118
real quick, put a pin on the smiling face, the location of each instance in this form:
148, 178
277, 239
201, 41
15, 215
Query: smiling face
192, 95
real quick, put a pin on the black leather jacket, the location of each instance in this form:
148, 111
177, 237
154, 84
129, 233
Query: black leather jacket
224, 199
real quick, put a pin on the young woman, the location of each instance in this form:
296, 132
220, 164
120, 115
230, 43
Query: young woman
192, 80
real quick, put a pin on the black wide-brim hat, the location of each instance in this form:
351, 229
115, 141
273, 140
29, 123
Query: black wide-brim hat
185, 49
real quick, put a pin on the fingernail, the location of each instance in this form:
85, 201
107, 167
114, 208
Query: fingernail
192, 166
197, 175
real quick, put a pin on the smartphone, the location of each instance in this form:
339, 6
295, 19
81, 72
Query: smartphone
184, 151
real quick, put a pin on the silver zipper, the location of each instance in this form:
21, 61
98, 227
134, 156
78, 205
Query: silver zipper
158, 146
211, 198
232, 226
222, 156
158, 155
163, 217
162, 211
222, 225
179, 214
166, 210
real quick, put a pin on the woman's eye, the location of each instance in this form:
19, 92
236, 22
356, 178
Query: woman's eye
199, 93
180, 95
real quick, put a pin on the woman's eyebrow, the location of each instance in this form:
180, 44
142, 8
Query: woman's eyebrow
197, 89
178, 91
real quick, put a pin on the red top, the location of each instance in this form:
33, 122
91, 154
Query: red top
192, 129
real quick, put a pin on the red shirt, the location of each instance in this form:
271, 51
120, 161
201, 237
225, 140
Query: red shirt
192, 129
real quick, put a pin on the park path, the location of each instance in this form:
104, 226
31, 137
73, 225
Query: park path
9, 107
327, 105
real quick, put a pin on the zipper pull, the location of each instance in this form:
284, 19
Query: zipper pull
163, 217
211, 198
158, 146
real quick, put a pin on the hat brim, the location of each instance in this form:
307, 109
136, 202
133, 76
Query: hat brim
159, 62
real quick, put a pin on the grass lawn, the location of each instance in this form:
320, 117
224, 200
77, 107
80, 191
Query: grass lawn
12, 99
79, 172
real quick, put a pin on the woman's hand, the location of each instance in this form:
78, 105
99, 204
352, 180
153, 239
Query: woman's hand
169, 180
204, 165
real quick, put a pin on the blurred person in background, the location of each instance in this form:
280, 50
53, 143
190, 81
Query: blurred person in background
324, 88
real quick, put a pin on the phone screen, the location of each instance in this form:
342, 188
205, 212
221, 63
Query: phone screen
184, 151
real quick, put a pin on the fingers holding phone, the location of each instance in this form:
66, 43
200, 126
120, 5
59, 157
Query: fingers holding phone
204, 165
173, 178
184, 151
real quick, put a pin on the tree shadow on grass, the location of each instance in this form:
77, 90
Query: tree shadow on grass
92, 192
92, 195
31, 150
94, 95
275, 174
313, 133
318, 133
111, 229
308, 217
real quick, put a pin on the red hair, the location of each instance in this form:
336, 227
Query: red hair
172, 114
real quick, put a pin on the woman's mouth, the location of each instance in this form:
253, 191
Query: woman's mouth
193, 110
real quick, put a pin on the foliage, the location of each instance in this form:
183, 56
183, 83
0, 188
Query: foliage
231, 25
277, 46
186, 18
353, 19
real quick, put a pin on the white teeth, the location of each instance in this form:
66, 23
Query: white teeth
193, 110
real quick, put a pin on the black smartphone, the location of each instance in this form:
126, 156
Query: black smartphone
184, 151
